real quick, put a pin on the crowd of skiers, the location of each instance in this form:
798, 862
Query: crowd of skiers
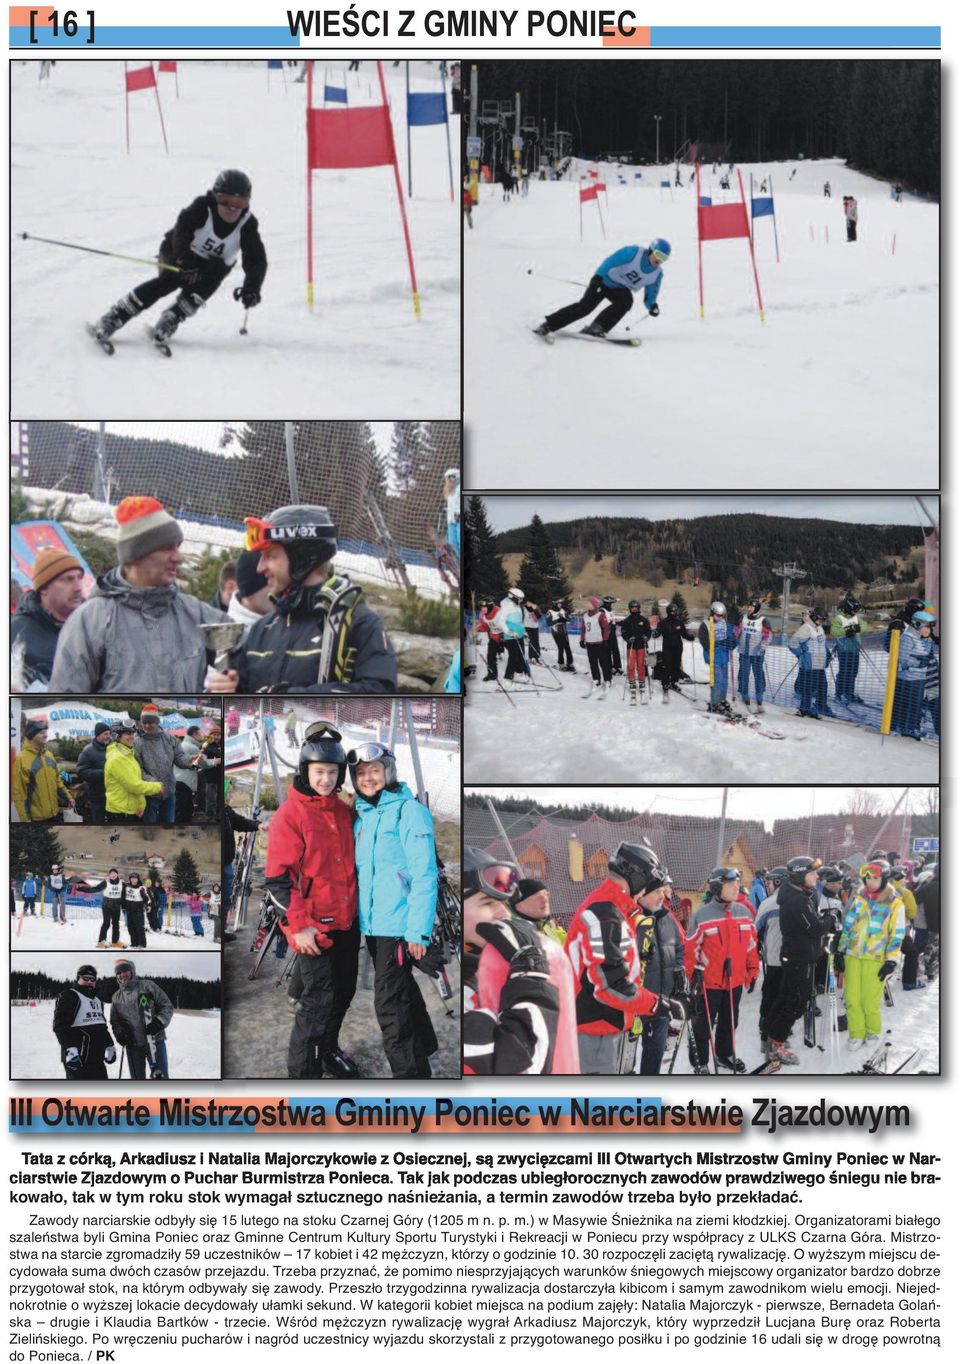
140, 903
140, 1013
648, 647
131, 773
337, 870
603, 996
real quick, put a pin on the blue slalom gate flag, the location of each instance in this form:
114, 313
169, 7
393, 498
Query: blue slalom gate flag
334, 94
274, 64
705, 201
425, 109
762, 208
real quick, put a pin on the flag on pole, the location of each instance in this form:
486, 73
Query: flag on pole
169, 67
141, 78
588, 192
335, 94
426, 109
352, 139
721, 222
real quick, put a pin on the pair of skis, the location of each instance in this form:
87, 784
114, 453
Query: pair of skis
147, 1018
550, 338
108, 347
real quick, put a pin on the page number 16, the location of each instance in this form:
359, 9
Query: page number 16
66, 24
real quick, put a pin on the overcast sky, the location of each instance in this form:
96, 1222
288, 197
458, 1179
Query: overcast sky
743, 802
206, 435
507, 513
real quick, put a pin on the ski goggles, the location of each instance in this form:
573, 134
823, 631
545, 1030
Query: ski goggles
728, 874
86, 975
658, 256
261, 534
367, 753
499, 880
873, 869
322, 729
233, 202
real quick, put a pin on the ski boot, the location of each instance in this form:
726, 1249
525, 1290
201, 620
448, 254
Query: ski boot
113, 319
341, 1065
633, 693
169, 320
592, 329
731, 1063
542, 330
779, 1051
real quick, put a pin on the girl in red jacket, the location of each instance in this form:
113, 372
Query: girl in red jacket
312, 877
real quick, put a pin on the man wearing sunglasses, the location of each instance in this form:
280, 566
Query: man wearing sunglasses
320, 636
617, 279
195, 257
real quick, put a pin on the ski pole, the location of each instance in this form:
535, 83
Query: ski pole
728, 972
246, 312
120, 1071
95, 251
676, 1050
556, 279
710, 1025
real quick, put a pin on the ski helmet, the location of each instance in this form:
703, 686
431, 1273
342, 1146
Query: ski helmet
372, 753
878, 866
493, 876
851, 604
640, 868
321, 744
924, 618
914, 604
633, 603
798, 867
817, 615
717, 608
754, 604
673, 609
515, 594
112, 871
125, 727
831, 875
86, 972
307, 533
659, 249
722, 876
608, 600
776, 875
233, 182
897, 873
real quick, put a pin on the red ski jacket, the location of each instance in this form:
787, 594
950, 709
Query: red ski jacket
719, 934
311, 845
602, 947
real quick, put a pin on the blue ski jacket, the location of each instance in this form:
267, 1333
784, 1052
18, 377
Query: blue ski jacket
396, 866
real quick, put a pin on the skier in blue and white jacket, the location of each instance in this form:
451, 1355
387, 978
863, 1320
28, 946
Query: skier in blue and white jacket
615, 281
753, 634
723, 644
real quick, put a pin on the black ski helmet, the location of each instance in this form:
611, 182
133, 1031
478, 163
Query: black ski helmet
640, 868
851, 604
798, 867
373, 753
754, 604
831, 875
493, 876
608, 600
722, 876
321, 744
307, 533
633, 603
673, 609
233, 182
776, 875
86, 971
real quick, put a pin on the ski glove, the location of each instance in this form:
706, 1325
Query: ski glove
674, 1009
72, 1060
110, 1055
679, 983
153, 1027
838, 960
886, 970
247, 296
190, 271
696, 982
124, 1037
654, 310
517, 943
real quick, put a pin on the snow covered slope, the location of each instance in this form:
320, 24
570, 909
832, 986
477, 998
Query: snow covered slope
557, 737
193, 1045
362, 353
838, 389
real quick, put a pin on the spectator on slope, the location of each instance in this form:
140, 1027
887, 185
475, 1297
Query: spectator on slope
57, 591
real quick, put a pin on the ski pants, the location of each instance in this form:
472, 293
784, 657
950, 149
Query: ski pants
751, 664
614, 648
768, 997
135, 927
161, 810
598, 656
327, 984
908, 707
862, 993
851, 229
562, 641
197, 922
653, 1043
408, 1036
166, 282
30, 904
137, 1056
812, 683
600, 1052
848, 666
717, 1016
911, 949
637, 672
110, 922
533, 642
619, 302
58, 905
493, 653
516, 663
96, 811
796, 987
721, 667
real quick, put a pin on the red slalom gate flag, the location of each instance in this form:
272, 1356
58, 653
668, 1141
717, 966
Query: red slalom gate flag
169, 66
353, 139
588, 192
140, 78
719, 222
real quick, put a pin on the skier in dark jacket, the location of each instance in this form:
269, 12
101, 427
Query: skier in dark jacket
135, 902
297, 647
90, 765
673, 631
196, 255
803, 931
660, 942
57, 592
635, 629
86, 1047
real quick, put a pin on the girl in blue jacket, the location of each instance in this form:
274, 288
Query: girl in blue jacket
397, 901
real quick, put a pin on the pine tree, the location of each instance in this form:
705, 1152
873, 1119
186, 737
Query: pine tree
186, 876
542, 577
34, 847
485, 575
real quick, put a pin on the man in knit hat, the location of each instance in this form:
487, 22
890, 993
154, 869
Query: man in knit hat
39, 792
90, 765
137, 632
35, 629
159, 755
